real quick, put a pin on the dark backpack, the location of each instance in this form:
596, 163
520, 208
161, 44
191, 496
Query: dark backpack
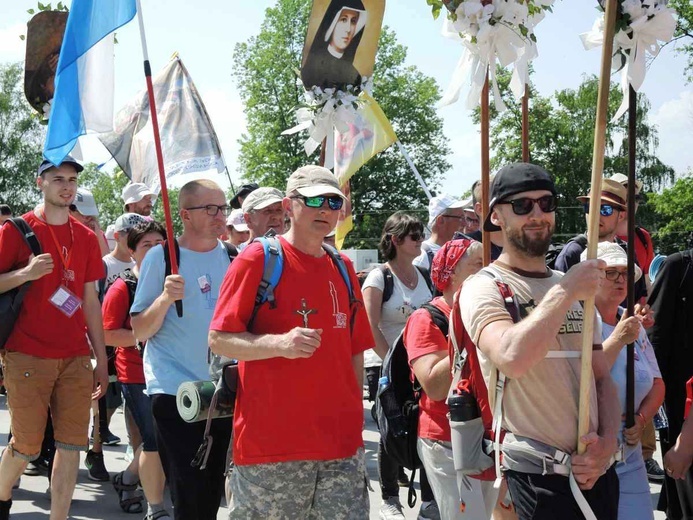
390, 283
131, 283
555, 250
397, 403
11, 301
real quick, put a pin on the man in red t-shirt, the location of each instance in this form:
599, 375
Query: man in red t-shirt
48, 353
298, 446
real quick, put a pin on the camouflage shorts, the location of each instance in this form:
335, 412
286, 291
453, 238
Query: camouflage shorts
315, 490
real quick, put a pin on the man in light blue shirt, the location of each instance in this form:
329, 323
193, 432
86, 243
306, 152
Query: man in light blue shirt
176, 349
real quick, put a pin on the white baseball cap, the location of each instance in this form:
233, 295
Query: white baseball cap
237, 221
438, 205
127, 221
85, 203
135, 192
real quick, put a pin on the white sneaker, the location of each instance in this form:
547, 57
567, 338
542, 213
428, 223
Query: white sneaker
391, 509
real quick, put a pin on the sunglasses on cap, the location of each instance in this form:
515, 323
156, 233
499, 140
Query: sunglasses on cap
605, 210
525, 205
335, 202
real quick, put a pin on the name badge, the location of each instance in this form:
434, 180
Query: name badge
65, 301
205, 285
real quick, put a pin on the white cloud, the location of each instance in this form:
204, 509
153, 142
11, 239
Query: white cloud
674, 120
12, 48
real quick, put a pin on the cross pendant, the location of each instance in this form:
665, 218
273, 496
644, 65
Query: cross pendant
305, 312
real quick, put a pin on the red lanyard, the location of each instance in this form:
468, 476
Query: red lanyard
67, 258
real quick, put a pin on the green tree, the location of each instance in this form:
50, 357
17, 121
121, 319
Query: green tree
266, 68
21, 142
674, 209
684, 31
561, 139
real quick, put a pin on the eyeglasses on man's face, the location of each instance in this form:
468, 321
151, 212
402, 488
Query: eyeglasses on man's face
213, 209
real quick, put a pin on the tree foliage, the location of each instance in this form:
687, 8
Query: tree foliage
684, 31
674, 211
266, 69
21, 142
561, 139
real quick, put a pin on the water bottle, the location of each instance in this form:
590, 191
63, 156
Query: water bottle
462, 405
383, 382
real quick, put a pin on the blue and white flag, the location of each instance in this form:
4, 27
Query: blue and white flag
84, 80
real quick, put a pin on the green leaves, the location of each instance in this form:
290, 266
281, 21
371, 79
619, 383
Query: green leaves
436, 7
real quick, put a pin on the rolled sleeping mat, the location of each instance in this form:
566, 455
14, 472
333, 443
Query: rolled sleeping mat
655, 265
194, 401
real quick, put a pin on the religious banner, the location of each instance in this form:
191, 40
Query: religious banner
341, 42
44, 37
189, 144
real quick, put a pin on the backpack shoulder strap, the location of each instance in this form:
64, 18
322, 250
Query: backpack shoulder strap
426, 273
580, 239
438, 317
506, 293
27, 233
429, 253
231, 250
641, 236
131, 282
336, 257
272, 272
389, 284
101, 284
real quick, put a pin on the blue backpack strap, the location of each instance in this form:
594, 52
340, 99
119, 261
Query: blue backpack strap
337, 259
272, 272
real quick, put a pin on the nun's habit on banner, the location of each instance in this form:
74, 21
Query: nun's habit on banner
330, 62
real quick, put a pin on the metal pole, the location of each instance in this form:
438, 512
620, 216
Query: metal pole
630, 359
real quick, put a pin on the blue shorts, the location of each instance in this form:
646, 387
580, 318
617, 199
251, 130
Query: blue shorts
140, 407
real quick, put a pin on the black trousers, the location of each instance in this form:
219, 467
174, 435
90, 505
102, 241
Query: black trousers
547, 497
388, 472
196, 493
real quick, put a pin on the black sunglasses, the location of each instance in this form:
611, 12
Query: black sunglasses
213, 209
335, 202
605, 210
524, 205
416, 236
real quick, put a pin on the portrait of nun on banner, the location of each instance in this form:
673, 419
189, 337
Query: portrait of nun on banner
341, 43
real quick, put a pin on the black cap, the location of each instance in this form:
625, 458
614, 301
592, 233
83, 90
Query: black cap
47, 165
516, 178
243, 191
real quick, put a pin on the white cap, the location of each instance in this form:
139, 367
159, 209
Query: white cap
237, 220
438, 205
85, 203
127, 221
614, 256
623, 179
261, 198
135, 192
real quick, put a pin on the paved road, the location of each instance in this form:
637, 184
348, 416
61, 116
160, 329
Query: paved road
95, 500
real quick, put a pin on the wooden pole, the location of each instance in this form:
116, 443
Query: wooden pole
525, 125
630, 307
321, 161
586, 374
485, 171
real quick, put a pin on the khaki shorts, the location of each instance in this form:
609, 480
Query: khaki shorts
33, 384
315, 490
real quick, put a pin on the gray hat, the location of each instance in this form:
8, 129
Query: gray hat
127, 221
47, 165
313, 180
261, 198
85, 203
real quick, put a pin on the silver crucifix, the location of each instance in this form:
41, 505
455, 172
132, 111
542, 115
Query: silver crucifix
305, 312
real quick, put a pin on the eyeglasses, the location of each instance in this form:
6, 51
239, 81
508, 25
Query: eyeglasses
457, 217
416, 237
471, 220
613, 275
213, 209
525, 205
605, 210
335, 202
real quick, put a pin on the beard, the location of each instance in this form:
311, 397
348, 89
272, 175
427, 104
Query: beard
532, 247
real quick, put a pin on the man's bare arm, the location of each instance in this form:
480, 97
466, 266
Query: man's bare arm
245, 346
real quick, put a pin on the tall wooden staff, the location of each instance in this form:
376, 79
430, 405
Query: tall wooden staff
593, 222
485, 171
630, 354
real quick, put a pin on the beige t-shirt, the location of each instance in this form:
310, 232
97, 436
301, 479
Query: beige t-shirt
542, 404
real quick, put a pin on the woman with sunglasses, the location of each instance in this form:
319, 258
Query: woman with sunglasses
618, 330
400, 244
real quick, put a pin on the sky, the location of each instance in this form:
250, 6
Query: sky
205, 34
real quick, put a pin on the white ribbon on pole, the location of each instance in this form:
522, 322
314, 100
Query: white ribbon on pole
650, 24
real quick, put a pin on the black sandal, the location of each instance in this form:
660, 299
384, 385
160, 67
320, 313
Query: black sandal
130, 505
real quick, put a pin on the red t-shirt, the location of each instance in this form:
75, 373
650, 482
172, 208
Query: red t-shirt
422, 336
296, 409
116, 315
41, 329
644, 252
